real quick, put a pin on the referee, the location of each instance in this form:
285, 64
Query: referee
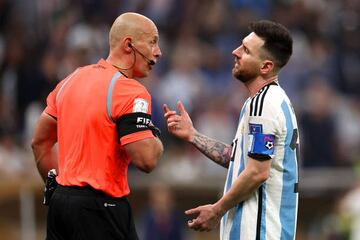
100, 116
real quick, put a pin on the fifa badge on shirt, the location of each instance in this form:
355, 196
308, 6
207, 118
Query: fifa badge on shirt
255, 128
140, 105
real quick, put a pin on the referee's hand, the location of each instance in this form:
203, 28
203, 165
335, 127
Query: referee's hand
181, 125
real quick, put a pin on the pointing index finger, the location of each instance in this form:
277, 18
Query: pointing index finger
166, 108
192, 211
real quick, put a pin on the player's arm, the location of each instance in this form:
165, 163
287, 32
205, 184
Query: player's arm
182, 127
208, 216
217, 151
257, 169
44, 139
255, 173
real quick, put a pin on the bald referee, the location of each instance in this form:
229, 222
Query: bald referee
100, 116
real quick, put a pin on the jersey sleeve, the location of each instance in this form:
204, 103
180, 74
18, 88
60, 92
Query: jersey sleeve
131, 110
51, 108
264, 132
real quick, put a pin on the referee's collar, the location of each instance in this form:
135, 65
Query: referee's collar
102, 62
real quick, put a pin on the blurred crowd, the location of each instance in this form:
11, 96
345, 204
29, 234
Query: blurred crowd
43, 41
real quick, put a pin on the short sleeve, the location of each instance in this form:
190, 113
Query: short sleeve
264, 131
267, 122
131, 110
51, 107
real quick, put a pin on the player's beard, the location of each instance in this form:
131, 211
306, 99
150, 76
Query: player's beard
245, 75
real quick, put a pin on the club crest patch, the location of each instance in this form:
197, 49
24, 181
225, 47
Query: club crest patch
140, 105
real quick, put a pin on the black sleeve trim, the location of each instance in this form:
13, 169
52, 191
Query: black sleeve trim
294, 138
132, 123
51, 116
259, 157
296, 187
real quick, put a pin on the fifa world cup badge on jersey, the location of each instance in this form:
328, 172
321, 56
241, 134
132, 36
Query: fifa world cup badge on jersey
140, 105
255, 128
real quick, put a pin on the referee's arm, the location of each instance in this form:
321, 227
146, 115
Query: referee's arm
43, 142
145, 153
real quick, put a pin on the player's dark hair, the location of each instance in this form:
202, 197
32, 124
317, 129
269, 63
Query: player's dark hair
278, 41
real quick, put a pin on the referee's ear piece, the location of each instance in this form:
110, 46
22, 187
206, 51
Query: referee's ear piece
130, 45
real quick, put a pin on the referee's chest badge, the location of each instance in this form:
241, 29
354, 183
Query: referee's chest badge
140, 105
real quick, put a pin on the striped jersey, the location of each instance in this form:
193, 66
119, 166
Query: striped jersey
271, 211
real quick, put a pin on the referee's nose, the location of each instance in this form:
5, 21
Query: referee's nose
157, 52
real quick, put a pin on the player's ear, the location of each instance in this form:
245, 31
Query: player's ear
267, 67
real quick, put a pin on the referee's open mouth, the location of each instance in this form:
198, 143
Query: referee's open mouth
151, 64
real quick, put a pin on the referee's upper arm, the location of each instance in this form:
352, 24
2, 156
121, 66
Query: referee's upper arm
45, 131
42, 144
145, 153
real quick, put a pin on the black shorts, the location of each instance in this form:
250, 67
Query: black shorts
83, 213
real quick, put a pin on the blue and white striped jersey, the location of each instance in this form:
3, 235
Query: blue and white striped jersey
271, 212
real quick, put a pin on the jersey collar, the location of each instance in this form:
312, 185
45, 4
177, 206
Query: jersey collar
105, 64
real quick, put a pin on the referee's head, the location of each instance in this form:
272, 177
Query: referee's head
134, 44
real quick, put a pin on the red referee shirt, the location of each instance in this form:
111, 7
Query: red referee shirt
86, 105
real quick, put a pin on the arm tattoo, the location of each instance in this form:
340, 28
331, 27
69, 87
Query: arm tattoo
219, 152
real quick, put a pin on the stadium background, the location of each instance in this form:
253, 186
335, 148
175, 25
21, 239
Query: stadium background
42, 41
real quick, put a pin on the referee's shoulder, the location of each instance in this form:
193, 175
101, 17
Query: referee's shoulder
130, 84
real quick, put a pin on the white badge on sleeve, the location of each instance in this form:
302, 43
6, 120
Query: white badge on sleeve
140, 105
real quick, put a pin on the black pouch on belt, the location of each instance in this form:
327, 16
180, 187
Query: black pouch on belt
50, 186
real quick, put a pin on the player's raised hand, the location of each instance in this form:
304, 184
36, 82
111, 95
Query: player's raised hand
180, 125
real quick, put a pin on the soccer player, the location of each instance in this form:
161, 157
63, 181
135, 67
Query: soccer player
100, 116
260, 197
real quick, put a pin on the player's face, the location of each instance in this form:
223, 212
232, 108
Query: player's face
148, 45
247, 58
